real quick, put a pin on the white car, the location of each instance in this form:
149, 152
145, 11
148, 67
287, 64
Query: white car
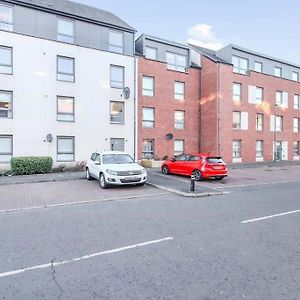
115, 168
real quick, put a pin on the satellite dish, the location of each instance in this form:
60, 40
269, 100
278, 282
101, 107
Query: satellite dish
49, 138
169, 136
126, 92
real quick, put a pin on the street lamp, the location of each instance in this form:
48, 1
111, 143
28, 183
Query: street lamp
275, 129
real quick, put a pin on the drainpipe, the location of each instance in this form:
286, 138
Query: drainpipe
135, 132
218, 109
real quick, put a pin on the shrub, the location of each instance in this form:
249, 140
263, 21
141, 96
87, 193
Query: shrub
31, 165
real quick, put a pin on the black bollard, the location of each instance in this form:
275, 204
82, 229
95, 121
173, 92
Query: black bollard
192, 185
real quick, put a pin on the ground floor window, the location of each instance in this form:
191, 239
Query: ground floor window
148, 149
117, 144
296, 148
6, 148
178, 147
236, 148
259, 149
65, 148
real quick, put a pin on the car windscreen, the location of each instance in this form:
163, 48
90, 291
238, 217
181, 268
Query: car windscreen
215, 160
109, 159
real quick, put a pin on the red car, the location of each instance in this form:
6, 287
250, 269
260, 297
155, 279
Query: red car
202, 166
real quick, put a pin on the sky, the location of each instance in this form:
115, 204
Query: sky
268, 27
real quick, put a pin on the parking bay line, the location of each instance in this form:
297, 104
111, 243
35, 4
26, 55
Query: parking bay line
59, 263
270, 217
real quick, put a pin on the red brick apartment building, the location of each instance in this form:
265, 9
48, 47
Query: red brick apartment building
168, 98
244, 97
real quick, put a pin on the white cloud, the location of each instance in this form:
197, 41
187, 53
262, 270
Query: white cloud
203, 35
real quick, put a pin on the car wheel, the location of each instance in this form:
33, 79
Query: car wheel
220, 177
88, 175
197, 175
102, 181
165, 170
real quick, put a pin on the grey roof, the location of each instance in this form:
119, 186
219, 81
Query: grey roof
164, 41
78, 10
211, 54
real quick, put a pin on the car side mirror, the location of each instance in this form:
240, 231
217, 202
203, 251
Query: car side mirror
97, 163
173, 160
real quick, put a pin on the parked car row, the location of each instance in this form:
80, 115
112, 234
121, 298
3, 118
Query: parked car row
118, 168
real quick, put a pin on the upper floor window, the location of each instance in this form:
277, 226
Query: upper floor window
65, 31
6, 148
296, 124
151, 53
65, 109
6, 17
179, 119
6, 58
179, 90
240, 65
259, 93
65, 69
236, 120
237, 92
279, 123
148, 117
295, 76
259, 122
148, 86
116, 41
258, 66
176, 62
116, 77
116, 112
297, 102
279, 97
6, 104
278, 72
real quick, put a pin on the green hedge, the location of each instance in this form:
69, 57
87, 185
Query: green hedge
31, 165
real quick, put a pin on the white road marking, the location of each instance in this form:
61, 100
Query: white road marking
59, 263
82, 202
270, 217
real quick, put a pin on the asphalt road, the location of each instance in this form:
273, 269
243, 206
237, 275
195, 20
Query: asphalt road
178, 248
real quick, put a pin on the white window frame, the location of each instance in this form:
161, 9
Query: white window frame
114, 47
116, 83
297, 102
148, 123
7, 25
237, 96
151, 49
179, 124
237, 67
70, 153
65, 76
9, 108
277, 69
236, 151
10, 65
295, 76
122, 113
259, 151
256, 69
148, 152
296, 125
63, 37
5, 154
296, 151
236, 126
279, 98
148, 92
259, 100
178, 151
179, 96
176, 66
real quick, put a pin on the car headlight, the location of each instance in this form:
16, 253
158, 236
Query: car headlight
143, 171
112, 172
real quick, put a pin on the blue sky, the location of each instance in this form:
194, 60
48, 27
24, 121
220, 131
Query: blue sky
269, 27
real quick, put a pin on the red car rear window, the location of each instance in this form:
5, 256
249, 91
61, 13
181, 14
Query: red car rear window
215, 160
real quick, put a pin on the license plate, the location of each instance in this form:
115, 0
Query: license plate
218, 168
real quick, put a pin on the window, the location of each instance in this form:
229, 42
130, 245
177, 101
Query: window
296, 102
116, 41
6, 60
6, 148
236, 149
65, 69
259, 122
277, 72
279, 98
116, 77
65, 109
179, 89
179, 119
237, 92
296, 124
295, 76
240, 65
6, 104
65, 148
148, 117
279, 123
117, 144
259, 149
6, 17
236, 120
116, 112
176, 62
148, 149
178, 147
148, 86
258, 66
65, 31
296, 148
151, 53
259, 95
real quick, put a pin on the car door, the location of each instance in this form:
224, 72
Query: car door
94, 166
192, 163
179, 164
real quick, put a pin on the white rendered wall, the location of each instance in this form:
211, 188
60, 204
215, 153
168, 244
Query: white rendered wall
35, 91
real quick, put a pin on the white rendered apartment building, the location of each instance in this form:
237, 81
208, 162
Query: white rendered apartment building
63, 70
